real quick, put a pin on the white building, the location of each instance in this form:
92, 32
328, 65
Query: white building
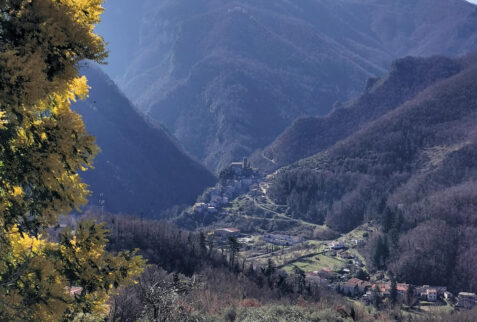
431, 295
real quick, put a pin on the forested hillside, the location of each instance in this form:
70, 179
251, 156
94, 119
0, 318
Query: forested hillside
140, 170
228, 77
412, 170
308, 136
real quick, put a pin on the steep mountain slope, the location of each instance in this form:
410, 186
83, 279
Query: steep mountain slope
226, 77
308, 136
414, 171
140, 170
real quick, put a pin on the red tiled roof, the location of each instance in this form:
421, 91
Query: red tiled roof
386, 287
402, 287
359, 282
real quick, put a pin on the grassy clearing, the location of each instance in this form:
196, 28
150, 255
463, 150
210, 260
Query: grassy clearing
317, 263
436, 309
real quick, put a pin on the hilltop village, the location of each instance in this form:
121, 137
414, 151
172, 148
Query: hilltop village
237, 179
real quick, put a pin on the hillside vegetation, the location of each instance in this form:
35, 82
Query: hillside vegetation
308, 136
413, 171
140, 170
191, 279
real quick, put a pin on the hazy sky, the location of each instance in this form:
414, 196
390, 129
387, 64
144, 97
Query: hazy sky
473, 1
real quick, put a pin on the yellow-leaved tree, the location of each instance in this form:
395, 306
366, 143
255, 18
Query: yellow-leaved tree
43, 147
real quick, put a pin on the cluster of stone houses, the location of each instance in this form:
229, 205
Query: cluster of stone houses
282, 240
368, 291
355, 287
241, 169
243, 179
204, 208
365, 289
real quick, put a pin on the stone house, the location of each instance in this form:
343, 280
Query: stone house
349, 289
363, 286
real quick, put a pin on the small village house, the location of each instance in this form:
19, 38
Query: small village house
199, 208
358, 242
345, 271
226, 233
431, 295
385, 289
349, 289
402, 289
363, 286
422, 290
337, 245
344, 255
466, 300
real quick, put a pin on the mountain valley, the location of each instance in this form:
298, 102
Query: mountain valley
226, 78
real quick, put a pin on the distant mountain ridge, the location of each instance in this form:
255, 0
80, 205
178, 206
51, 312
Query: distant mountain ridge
140, 170
227, 77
